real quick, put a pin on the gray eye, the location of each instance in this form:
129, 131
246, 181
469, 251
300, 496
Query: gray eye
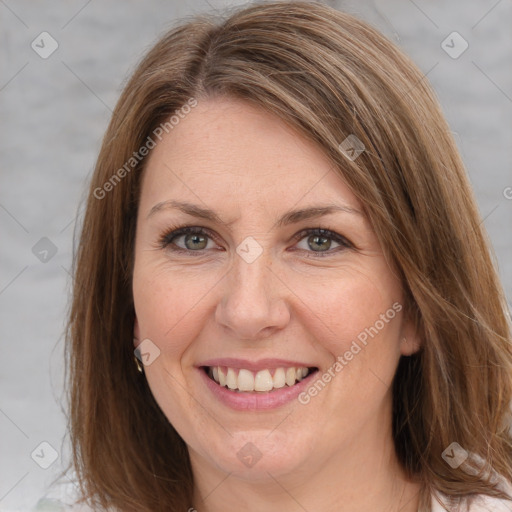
193, 241
318, 243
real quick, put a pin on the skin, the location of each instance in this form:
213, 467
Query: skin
335, 452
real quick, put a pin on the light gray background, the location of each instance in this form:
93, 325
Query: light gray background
53, 115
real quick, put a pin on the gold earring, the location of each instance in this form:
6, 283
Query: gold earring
139, 366
136, 359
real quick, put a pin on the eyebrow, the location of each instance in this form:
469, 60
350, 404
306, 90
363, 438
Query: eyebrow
291, 217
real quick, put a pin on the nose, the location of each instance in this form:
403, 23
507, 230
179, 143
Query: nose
253, 304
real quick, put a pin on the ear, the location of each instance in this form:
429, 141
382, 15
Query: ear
136, 333
410, 341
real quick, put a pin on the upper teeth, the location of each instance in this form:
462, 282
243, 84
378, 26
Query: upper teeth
246, 380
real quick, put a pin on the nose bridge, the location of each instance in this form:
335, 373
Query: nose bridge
252, 274
252, 301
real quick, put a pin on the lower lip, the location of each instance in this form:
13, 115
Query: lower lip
242, 401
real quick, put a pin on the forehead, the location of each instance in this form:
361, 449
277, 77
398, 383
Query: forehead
231, 150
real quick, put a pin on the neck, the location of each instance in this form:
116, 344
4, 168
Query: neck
358, 477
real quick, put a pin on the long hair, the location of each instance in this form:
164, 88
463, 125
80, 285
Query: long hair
328, 75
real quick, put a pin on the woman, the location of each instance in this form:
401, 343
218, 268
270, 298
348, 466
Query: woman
280, 226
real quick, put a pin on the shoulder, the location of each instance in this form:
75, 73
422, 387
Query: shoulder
487, 503
63, 496
478, 503
57, 505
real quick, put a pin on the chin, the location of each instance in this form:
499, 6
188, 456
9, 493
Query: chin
253, 455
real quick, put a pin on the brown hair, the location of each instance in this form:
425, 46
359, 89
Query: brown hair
328, 75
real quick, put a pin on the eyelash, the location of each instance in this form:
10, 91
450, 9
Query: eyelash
167, 238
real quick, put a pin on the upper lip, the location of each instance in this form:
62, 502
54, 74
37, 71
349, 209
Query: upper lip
256, 366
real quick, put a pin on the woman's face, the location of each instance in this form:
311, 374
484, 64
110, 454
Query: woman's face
254, 296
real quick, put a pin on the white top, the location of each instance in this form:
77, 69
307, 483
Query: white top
481, 503
61, 502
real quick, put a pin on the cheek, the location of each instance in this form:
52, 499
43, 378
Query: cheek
166, 306
168, 313
357, 322
355, 306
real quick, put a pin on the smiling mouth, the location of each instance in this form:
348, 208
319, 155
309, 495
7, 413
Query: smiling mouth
264, 381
